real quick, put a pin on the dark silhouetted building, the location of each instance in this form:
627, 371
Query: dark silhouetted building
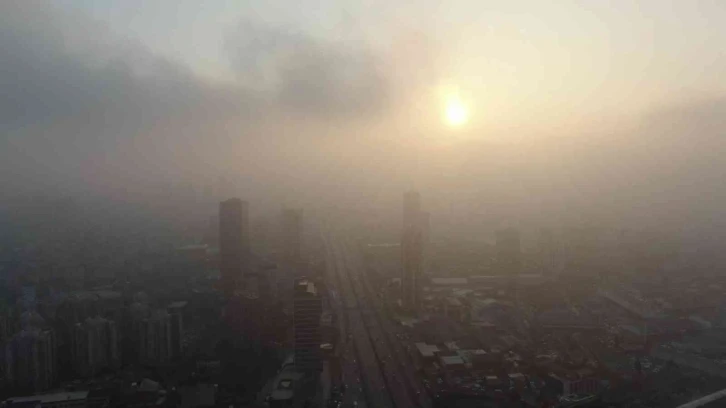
411, 251
95, 346
155, 336
307, 309
412, 263
233, 242
176, 311
425, 223
30, 356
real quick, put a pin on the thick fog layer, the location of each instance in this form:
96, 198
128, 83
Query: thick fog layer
86, 110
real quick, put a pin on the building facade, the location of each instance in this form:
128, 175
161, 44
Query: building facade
412, 265
30, 360
176, 312
411, 251
95, 346
308, 307
155, 339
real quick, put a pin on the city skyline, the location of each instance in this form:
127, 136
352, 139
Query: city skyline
362, 204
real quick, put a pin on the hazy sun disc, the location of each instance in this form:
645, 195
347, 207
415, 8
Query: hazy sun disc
456, 113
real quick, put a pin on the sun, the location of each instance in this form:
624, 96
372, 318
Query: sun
456, 113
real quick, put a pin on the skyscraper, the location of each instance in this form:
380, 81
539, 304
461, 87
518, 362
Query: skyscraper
425, 224
134, 325
509, 251
155, 337
412, 263
30, 356
411, 251
233, 242
307, 309
94, 346
7, 322
176, 311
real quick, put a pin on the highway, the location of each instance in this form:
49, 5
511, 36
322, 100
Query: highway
360, 366
397, 359
376, 367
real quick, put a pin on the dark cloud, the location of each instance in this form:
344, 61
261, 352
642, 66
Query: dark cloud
309, 76
80, 105
74, 96
45, 78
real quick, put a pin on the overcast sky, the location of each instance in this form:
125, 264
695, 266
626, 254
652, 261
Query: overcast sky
607, 108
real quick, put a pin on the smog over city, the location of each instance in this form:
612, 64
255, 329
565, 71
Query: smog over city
362, 203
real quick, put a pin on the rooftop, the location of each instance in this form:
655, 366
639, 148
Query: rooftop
449, 281
427, 350
304, 285
285, 383
452, 360
177, 305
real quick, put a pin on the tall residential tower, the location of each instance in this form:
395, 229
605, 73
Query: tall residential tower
411, 251
308, 307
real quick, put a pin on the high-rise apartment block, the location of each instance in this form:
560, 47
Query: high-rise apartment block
155, 338
412, 262
30, 356
307, 309
411, 251
94, 346
176, 312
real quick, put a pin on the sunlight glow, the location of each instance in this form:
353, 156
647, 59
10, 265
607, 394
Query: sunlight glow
456, 113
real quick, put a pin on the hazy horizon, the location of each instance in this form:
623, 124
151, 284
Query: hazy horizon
612, 113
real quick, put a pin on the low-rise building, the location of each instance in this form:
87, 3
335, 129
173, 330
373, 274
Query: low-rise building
576, 382
427, 352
